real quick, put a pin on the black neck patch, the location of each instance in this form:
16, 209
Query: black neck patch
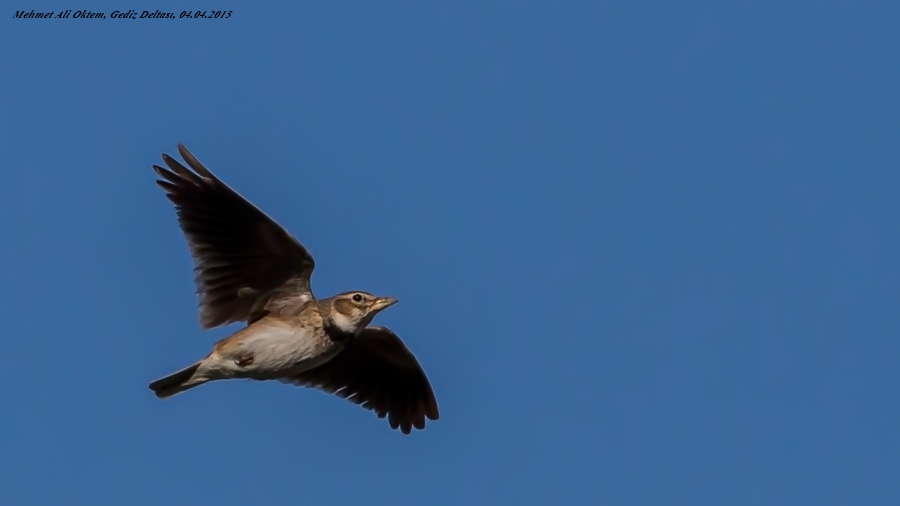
336, 333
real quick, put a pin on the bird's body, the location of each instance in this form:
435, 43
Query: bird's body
250, 269
268, 349
273, 348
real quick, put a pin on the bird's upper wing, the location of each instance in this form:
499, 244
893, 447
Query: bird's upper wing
244, 261
377, 371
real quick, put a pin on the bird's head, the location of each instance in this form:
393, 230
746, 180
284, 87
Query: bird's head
351, 312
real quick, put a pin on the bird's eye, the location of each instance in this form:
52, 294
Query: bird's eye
357, 297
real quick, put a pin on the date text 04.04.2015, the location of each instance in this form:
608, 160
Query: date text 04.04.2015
206, 14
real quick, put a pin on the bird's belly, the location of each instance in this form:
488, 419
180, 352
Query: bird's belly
275, 352
311, 362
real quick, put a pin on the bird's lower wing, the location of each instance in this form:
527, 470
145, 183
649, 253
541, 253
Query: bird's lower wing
378, 372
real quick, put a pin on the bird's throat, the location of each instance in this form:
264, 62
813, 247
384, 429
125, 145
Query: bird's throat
337, 332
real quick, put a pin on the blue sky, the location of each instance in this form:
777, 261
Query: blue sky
647, 252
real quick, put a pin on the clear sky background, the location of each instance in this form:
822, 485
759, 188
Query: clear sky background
647, 252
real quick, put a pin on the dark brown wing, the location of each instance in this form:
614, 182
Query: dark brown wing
243, 259
378, 372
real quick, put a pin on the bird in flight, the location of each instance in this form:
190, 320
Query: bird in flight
250, 269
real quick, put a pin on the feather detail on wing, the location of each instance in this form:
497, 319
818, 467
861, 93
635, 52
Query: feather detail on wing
245, 262
378, 372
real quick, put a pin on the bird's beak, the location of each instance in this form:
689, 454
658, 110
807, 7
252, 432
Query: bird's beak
384, 302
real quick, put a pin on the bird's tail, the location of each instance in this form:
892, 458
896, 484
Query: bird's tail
178, 382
